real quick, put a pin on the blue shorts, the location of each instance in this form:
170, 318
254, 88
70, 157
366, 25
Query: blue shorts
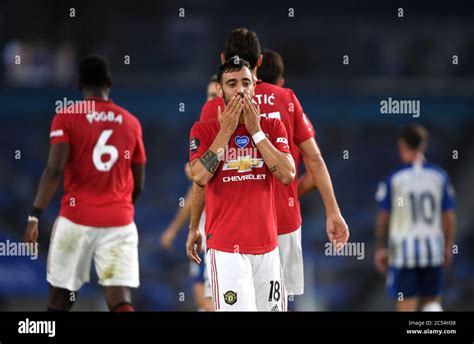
413, 282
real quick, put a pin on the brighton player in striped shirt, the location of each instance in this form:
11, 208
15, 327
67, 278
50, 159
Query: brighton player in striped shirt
415, 226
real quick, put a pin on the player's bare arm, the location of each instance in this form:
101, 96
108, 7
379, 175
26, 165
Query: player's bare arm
183, 214
203, 168
138, 172
48, 186
381, 241
305, 182
336, 226
194, 241
280, 164
449, 229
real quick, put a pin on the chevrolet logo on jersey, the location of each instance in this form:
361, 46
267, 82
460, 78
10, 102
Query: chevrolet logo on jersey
243, 164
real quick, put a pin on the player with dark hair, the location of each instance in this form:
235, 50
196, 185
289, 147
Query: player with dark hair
415, 226
281, 103
236, 158
101, 155
272, 68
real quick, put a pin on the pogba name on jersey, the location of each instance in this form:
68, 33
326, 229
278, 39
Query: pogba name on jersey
104, 116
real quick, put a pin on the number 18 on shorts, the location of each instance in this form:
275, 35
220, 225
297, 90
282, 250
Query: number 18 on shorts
246, 282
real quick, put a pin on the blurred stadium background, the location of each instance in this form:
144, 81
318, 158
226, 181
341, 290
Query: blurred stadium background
171, 60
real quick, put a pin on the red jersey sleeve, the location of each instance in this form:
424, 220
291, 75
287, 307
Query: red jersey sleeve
207, 113
139, 155
279, 136
303, 128
199, 141
209, 109
59, 129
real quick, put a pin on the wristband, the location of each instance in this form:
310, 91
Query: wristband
36, 212
33, 219
258, 136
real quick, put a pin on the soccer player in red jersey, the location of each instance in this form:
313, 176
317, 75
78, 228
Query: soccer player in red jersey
236, 158
101, 154
282, 103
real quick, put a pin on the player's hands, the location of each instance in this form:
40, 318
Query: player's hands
448, 256
251, 115
381, 260
187, 171
194, 245
31, 233
229, 119
167, 238
337, 230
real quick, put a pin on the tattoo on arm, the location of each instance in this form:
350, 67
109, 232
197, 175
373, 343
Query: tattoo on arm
210, 161
274, 169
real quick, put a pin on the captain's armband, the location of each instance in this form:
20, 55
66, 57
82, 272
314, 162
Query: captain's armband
210, 161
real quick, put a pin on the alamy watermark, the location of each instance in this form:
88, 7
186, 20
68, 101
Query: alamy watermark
14, 249
350, 249
28, 326
231, 153
66, 106
404, 107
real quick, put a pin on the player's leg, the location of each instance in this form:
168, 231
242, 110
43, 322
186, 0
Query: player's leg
199, 300
430, 288
116, 263
402, 287
231, 281
291, 257
197, 274
60, 299
68, 264
208, 303
119, 299
408, 304
270, 291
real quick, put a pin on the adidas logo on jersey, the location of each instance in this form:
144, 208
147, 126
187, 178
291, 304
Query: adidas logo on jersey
103, 116
275, 308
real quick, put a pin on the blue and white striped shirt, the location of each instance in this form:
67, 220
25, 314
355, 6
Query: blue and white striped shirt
416, 195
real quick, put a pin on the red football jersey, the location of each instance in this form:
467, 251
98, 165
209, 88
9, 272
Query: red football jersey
98, 181
281, 103
240, 208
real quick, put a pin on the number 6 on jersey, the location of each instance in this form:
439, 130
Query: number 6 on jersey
101, 148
